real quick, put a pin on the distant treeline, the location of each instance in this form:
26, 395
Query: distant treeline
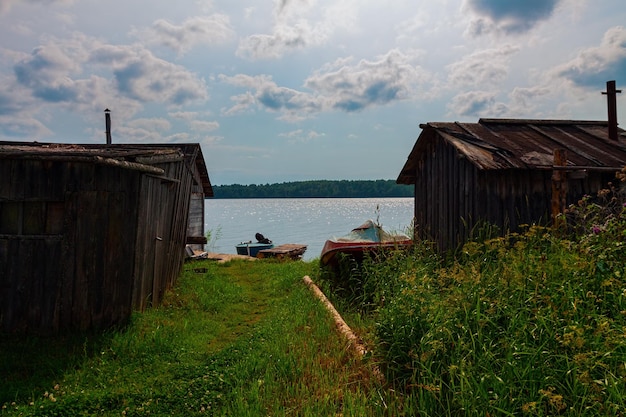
316, 189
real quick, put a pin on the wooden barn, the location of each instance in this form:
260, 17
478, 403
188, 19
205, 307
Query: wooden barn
89, 233
503, 172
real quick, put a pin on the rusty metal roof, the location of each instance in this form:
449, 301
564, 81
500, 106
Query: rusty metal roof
141, 157
495, 144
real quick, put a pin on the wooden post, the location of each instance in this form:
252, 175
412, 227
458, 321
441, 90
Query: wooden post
559, 188
611, 99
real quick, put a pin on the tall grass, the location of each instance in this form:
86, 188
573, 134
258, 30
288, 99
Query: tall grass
212, 236
529, 324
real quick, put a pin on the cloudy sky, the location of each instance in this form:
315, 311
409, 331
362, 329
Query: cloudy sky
289, 90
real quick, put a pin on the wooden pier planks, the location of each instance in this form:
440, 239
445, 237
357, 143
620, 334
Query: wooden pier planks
290, 250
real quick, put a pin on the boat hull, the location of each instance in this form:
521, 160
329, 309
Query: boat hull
252, 249
369, 237
332, 249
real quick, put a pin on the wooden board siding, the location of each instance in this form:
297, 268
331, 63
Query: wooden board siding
499, 171
83, 244
61, 268
195, 231
163, 217
79, 227
453, 197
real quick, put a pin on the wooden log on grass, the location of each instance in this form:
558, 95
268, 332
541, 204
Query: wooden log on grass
341, 325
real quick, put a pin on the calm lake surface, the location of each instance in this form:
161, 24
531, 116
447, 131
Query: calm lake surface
309, 221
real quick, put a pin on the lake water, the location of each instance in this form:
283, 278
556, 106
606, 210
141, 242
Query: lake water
308, 221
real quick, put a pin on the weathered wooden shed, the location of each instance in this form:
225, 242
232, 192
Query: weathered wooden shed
89, 233
500, 171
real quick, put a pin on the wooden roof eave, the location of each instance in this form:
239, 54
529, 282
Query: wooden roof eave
194, 161
407, 175
204, 174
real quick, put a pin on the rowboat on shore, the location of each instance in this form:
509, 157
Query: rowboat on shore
253, 248
369, 237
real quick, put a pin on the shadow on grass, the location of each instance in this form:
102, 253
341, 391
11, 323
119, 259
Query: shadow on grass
31, 365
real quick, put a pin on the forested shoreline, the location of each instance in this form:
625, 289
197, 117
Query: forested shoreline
316, 189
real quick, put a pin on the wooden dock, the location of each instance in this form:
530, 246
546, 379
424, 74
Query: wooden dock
288, 250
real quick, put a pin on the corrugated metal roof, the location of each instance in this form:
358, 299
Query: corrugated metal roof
493, 144
132, 156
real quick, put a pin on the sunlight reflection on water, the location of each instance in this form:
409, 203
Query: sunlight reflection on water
309, 221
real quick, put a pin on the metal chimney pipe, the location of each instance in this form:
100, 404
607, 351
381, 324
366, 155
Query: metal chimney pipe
107, 121
611, 100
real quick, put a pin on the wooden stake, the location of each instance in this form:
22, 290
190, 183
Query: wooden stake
559, 188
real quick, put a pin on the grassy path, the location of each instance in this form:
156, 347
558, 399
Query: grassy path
245, 338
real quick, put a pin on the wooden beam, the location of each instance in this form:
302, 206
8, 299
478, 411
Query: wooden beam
559, 187
196, 240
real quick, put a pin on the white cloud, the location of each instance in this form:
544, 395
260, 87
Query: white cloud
526, 99
152, 124
482, 68
139, 75
298, 24
53, 73
22, 126
301, 136
267, 95
592, 67
339, 86
203, 125
476, 104
183, 115
85, 75
198, 30
389, 78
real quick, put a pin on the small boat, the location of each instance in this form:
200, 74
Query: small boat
252, 249
367, 237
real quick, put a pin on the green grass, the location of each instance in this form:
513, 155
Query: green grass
246, 338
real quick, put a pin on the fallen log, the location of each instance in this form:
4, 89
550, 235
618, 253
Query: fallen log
341, 325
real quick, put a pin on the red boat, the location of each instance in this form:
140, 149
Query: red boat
367, 237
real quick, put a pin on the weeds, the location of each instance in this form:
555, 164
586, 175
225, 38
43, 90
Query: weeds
527, 324
212, 236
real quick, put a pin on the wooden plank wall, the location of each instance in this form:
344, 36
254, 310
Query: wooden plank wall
163, 220
67, 265
93, 243
453, 197
196, 216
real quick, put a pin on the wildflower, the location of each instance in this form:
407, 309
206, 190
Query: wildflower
596, 230
530, 407
573, 338
555, 401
